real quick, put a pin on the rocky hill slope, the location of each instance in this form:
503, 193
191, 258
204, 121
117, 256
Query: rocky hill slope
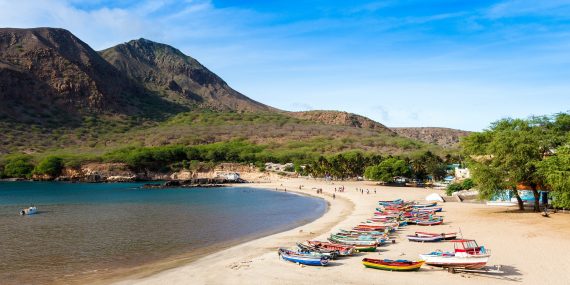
176, 76
445, 137
341, 119
50, 76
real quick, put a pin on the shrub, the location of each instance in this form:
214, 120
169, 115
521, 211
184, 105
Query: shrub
51, 165
19, 166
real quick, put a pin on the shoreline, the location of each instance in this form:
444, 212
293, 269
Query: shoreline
521, 243
173, 262
342, 205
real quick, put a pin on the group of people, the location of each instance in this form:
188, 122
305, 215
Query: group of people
340, 189
362, 191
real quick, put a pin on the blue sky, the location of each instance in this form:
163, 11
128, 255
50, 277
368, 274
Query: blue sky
458, 64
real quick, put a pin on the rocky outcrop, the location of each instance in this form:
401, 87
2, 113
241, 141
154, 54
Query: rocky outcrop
341, 119
445, 137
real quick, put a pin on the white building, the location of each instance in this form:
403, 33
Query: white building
462, 173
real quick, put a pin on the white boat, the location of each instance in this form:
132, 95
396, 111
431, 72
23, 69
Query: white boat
467, 254
29, 211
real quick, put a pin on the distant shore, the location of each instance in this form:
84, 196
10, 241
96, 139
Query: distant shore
525, 244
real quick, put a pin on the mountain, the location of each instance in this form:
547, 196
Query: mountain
342, 119
445, 137
58, 94
48, 76
178, 77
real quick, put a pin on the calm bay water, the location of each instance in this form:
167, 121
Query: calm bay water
82, 229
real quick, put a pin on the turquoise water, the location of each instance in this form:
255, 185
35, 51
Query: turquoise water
89, 229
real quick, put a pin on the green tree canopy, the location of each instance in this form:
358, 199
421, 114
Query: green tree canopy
509, 152
51, 165
556, 170
387, 170
18, 166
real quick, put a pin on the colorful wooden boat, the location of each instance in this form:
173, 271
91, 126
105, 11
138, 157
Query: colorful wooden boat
353, 241
467, 254
301, 258
430, 222
419, 238
392, 265
365, 248
342, 249
427, 205
444, 236
305, 248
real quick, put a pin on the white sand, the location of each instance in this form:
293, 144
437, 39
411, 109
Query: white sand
530, 248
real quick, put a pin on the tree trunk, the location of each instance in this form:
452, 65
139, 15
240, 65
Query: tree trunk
519, 200
536, 198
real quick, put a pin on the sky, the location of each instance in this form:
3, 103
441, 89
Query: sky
410, 63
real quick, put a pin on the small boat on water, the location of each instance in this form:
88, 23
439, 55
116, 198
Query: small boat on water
29, 211
302, 258
467, 254
392, 265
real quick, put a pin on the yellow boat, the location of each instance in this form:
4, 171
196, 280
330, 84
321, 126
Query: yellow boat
393, 265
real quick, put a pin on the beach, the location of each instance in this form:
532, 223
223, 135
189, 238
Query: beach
531, 249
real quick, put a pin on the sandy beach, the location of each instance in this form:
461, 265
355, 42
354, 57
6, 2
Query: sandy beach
530, 248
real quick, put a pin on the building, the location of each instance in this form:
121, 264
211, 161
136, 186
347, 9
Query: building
279, 167
462, 173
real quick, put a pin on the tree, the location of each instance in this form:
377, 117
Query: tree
556, 170
18, 166
51, 165
508, 153
387, 170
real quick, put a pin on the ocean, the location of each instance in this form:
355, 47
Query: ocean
84, 230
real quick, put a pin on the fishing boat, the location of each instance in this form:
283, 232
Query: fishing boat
305, 248
431, 222
392, 265
354, 241
427, 205
393, 202
365, 248
467, 254
420, 238
29, 211
342, 249
302, 258
444, 236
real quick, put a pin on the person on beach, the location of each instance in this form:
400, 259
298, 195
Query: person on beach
374, 191
334, 196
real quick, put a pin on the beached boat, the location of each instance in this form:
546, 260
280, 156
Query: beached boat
365, 248
342, 249
427, 205
444, 236
305, 248
392, 265
302, 258
432, 222
467, 254
28, 211
419, 238
354, 241
392, 202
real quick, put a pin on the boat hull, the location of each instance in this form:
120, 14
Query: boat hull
391, 265
471, 262
302, 259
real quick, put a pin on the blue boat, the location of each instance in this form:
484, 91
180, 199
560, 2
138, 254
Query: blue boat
302, 258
